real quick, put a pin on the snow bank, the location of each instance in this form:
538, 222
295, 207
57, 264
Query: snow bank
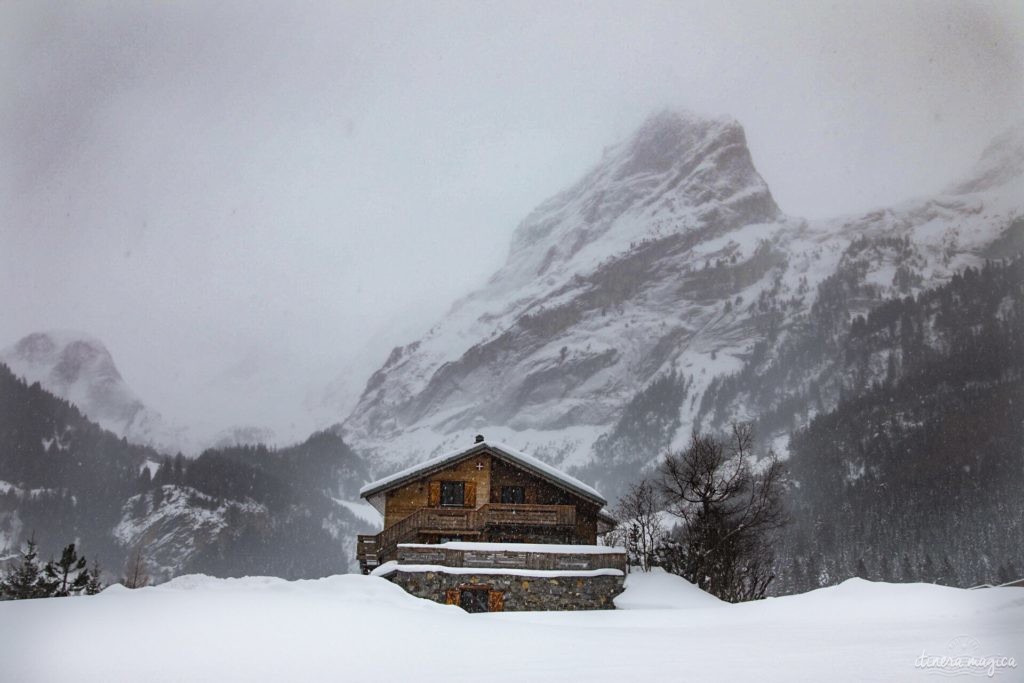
658, 589
363, 628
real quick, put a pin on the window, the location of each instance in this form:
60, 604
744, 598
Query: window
453, 493
513, 494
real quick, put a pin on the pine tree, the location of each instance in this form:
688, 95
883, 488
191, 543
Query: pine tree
68, 576
25, 580
949, 575
862, 570
907, 573
928, 569
799, 577
94, 585
886, 570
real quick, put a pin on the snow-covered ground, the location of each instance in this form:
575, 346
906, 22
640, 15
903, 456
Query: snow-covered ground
360, 628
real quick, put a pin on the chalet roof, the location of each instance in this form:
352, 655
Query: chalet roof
527, 462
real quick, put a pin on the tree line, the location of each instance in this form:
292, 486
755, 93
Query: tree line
67, 576
913, 473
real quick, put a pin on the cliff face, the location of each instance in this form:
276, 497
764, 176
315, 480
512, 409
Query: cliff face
624, 297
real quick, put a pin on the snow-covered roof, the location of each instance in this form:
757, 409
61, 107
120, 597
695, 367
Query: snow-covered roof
528, 462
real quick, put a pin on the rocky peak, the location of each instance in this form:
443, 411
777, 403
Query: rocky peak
77, 367
668, 137
65, 358
1002, 162
679, 171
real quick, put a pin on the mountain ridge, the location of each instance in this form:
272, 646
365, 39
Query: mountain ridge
78, 367
669, 258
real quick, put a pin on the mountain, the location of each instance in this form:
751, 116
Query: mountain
630, 302
79, 368
606, 285
229, 512
903, 251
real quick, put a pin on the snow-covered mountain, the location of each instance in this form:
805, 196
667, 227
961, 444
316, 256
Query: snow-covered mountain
79, 368
625, 296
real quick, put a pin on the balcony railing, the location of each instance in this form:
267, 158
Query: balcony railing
510, 557
372, 551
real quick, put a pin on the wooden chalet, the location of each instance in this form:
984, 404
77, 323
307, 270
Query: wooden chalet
490, 529
485, 493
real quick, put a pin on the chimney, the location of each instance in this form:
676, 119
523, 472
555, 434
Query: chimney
479, 438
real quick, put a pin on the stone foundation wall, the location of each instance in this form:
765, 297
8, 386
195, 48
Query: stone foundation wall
519, 593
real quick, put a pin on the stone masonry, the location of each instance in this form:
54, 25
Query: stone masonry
520, 593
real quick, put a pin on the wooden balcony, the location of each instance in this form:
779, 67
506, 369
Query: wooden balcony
372, 551
529, 515
510, 557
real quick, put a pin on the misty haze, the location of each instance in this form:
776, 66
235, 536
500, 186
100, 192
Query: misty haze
639, 312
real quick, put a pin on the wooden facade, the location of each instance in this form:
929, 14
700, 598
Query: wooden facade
485, 493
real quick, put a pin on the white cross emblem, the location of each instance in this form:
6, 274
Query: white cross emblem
479, 466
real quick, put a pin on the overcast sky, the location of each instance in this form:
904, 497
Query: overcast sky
247, 200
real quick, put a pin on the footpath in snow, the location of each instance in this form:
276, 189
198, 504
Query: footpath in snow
362, 628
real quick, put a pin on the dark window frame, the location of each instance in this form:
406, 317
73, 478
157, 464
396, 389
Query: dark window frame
453, 494
510, 494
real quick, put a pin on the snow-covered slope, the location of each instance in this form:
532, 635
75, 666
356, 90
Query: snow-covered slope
625, 296
360, 628
170, 525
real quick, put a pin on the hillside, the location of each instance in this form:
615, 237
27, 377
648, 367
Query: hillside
917, 475
229, 512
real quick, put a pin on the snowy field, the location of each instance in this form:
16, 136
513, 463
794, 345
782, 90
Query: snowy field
359, 628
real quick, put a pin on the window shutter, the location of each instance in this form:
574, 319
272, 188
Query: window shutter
434, 496
469, 500
495, 601
451, 596
530, 494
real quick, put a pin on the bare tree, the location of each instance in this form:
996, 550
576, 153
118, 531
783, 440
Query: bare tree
640, 529
729, 505
135, 575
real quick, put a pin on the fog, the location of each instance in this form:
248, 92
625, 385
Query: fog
250, 204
